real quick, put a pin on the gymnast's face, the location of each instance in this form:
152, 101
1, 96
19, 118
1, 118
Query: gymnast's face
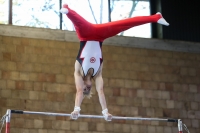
86, 90
87, 85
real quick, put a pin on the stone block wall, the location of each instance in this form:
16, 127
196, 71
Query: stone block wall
37, 75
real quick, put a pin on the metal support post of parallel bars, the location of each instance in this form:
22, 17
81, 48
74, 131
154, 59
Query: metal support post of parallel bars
180, 126
8, 116
9, 112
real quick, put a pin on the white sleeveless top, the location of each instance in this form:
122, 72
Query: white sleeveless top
90, 56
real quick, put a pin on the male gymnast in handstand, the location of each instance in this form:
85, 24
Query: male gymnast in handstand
89, 61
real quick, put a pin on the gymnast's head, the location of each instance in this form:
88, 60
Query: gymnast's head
88, 84
87, 92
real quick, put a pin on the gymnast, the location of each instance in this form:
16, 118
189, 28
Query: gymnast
89, 61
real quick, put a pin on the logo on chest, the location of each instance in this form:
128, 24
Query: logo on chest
92, 60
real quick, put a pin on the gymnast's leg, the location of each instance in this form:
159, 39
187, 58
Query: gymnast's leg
113, 28
84, 29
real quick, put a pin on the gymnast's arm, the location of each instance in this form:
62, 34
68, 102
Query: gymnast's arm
102, 100
79, 91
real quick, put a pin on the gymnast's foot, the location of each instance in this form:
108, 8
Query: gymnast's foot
64, 9
162, 20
